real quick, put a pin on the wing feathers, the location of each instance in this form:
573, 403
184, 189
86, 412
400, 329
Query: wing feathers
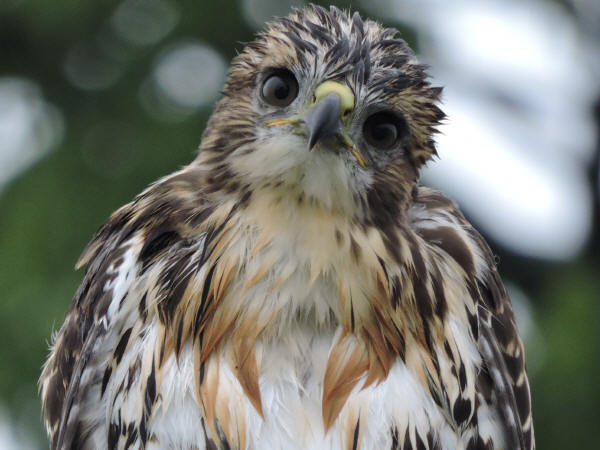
503, 382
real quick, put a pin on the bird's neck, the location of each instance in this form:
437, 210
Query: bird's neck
318, 266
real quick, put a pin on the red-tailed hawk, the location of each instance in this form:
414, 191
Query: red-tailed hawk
294, 287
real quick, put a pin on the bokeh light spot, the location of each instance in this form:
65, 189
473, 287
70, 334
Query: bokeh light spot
144, 22
87, 67
186, 77
29, 126
257, 12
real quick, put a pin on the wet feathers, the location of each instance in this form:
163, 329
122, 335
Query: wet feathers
268, 296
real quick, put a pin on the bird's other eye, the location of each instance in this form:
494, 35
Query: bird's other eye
280, 88
384, 129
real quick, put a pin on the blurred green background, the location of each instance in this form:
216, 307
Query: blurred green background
100, 98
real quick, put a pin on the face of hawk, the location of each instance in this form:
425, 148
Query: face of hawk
326, 107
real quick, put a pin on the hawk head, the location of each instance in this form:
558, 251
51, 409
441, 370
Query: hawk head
325, 108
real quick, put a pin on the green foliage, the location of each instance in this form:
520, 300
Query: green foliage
565, 389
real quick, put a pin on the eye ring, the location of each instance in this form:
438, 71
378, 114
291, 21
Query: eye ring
384, 129
280, 88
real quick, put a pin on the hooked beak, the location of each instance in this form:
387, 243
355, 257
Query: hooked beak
323, 120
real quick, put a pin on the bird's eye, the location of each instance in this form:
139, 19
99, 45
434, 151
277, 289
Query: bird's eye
280, 88
383, 129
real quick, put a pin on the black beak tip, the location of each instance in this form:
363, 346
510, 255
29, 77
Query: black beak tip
323, 119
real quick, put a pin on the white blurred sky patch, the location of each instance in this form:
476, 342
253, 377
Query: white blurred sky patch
29, 126
535, 205
187, 76
520, 134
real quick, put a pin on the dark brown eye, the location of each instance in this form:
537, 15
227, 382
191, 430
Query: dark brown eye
383, 129
280, 88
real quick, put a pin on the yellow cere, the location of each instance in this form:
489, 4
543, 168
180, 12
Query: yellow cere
346, 95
